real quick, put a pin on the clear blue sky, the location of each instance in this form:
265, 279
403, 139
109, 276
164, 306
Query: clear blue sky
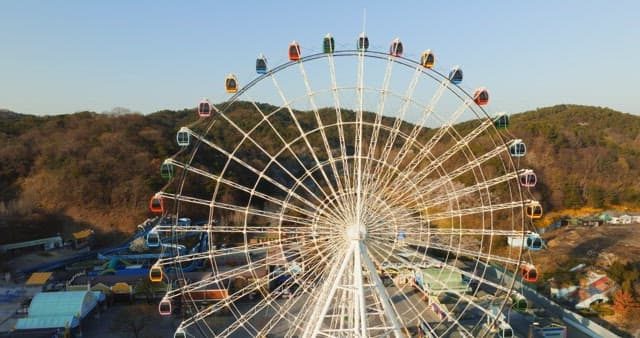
67, 56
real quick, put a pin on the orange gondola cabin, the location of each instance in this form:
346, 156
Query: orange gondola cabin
481, 96
529, 273
294, 51
428, 59
156, 205
231, 84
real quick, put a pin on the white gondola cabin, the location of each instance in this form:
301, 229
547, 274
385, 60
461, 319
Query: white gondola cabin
261, 64
517, 148
164, 307
363, 42
455, 75
534, 210
156, 204
152, 240
396, 48
294, 51
427, 59
481, 96
183, 137
528, 179
204, 108
231, 84
156, 274
533, 241
328, 44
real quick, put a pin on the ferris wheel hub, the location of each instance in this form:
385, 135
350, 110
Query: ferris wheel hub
356, 232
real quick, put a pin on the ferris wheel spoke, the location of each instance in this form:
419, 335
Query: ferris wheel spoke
419, 126
460, 144
238, 208
307, 283
458, 250
479, 210
478, 187
303, 134
245, 189
255, 171
397, 124
267, 302
423, 173
325, 141
379, 113
451, 175
340, 127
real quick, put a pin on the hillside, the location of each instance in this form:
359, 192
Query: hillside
60, 173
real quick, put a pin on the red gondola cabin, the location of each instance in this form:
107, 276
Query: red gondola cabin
156, 205
294, 51
481, 96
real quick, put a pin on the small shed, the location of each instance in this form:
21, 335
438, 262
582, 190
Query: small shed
38, 279
82, 238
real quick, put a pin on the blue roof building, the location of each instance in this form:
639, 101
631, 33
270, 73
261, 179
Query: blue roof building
52, 310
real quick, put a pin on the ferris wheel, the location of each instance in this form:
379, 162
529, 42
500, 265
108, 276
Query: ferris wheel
347, 193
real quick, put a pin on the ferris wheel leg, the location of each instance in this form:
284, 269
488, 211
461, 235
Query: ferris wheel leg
389, 312
315, 324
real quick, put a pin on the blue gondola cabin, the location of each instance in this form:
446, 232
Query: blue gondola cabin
455, 75
261, 65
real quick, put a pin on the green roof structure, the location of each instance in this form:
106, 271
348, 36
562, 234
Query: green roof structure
438, 280
58, 310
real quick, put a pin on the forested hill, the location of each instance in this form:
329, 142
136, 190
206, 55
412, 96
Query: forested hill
62, 172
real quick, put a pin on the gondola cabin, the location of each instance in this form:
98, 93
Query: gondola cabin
455, 75
152, 239
156, 204
501, 121
164, 308
519, 302
517, 148
183, 137
261, 64
231, 84
529, 273
294, 51
534, 210
481, 96
428, 59
528, 179
396, 48
180, 333
204, 108
328, 44
156, 274
363, 43
167, 170
534, 241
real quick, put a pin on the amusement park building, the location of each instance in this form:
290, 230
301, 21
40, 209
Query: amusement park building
58, 310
